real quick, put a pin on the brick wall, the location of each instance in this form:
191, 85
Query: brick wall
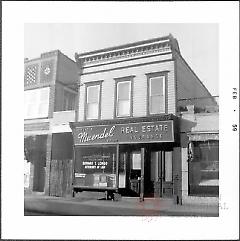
67, 71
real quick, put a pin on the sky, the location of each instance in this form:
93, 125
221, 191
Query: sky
198, 42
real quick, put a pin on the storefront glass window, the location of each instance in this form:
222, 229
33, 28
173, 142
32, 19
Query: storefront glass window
93, 102
157, 95
204, 169
123, 98
95, 167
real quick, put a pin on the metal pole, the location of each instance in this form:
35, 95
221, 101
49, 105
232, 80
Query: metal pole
142, 175
117, 166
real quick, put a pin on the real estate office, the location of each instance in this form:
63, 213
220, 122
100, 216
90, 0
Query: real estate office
144, 125
130, 135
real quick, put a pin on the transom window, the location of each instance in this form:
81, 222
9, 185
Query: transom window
157, 95
93, 99
123, 106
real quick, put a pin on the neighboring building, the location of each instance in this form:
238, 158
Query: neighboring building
200, 157
128, 129
49, 102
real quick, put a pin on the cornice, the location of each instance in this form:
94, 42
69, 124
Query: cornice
127, 53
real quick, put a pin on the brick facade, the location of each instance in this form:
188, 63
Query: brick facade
50, 70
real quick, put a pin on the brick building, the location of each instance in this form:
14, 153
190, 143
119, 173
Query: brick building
128, 134
49, 104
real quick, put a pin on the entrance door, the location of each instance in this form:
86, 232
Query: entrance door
135, 172
161, 173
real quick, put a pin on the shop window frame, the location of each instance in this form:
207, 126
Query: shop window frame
198, 187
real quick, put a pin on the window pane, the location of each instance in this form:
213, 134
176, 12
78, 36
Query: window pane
123, 91
93, 101
92, 111
204, 170
92, 94
157, 86
157, 104
136, 161
68, 101
43, 109
123, 108
31, 111
95, 167
44, 94
157, 95
36, 103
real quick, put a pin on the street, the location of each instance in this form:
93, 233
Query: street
53, 206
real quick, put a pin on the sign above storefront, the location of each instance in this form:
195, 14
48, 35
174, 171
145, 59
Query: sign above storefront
158, 131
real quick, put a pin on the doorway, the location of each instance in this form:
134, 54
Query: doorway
155, 172
158, 174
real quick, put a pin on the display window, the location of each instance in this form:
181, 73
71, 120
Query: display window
95, 167
204, 169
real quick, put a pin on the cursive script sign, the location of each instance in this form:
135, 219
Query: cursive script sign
159, 131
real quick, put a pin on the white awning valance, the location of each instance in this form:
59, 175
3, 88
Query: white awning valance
203, 136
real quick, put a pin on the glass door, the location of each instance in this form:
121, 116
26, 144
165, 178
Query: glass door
135, 172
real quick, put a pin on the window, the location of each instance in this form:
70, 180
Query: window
36, 103
157, 95
123, 107
204, 169
92, 102
69, 101
95, 167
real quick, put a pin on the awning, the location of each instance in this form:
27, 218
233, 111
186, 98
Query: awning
203, 136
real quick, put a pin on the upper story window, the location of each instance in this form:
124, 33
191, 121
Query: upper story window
69, 101
93, 102
36, 103
157, 95
123, 100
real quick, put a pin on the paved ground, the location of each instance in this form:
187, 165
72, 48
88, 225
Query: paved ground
88, 204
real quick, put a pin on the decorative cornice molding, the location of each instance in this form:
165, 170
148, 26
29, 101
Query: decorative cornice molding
111, 56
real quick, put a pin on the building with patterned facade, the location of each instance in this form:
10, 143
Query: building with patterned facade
49, 105
136, 124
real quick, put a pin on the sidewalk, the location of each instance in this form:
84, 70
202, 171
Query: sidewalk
76, 206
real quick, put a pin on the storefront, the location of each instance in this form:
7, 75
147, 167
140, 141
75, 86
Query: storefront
203, 164
133, 157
